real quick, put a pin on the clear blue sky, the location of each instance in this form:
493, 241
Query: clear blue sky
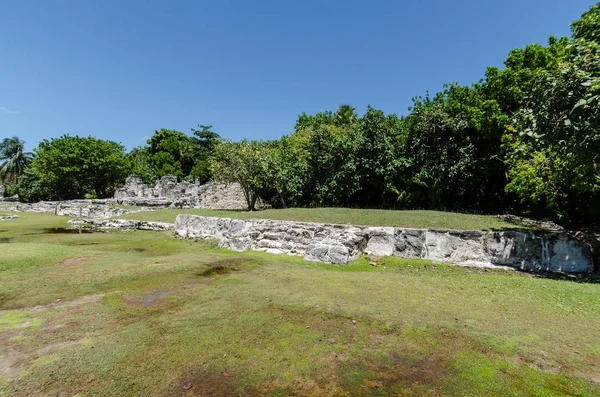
120, 69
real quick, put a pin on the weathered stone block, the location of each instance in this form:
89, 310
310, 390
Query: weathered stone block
515, 249
329, 251
168, 192
454, 246
380, 241
563, 253
409, 243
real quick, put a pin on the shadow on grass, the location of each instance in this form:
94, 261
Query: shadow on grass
518, 225
593, 278
221, 267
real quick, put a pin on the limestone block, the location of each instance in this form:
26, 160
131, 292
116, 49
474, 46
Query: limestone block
380, 241
327, 250
409, 243
515, 249
563, 253
454, 246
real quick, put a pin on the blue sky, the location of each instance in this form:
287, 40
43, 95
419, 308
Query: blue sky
121, 69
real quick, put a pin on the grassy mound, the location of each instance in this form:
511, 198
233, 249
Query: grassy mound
368, 217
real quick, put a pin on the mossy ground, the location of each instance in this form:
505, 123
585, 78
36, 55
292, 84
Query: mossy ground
143, 313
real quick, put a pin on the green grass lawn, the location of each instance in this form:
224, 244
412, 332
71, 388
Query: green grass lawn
413, 219
146, 314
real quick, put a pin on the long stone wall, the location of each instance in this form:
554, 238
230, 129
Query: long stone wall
167, 192
340, 244
72, 208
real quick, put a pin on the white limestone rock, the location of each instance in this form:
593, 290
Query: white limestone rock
381, 241
454, 246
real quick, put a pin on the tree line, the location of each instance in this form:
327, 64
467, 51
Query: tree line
524, 139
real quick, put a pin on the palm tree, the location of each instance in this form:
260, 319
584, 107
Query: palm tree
345, 115
13, 160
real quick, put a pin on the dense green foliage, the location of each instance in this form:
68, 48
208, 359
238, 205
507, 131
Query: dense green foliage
524, 139
72, 167
175, 153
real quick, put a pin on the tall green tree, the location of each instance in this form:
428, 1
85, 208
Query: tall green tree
587, 27
141, 164
204, 141
246, 163
376, 157
14, 160
72, 167
171, 152
554, 144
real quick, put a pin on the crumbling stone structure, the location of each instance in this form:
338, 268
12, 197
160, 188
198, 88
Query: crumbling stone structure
168, 192
340, 244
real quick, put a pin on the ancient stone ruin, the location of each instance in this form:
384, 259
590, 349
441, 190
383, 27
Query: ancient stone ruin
168, 192
340, 244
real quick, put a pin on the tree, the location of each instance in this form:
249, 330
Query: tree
345, 115
588, 26
204, 141
31, 186
14, 160
245, 163
287, 167
331, 157
377, 161
73, 166
510, 86
141, 164
171, 152
554, 145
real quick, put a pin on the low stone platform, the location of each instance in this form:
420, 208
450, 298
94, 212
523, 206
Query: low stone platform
123, 224
9, 217
72, 208
340, 244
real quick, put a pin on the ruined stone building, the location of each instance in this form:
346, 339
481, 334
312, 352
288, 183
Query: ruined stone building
170, 193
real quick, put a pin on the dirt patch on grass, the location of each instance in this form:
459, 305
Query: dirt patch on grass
12, 363
219, 268
428, 370
75, 261
59, 303
207, 382
416, 364
324, 386
542, 363
52, 347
